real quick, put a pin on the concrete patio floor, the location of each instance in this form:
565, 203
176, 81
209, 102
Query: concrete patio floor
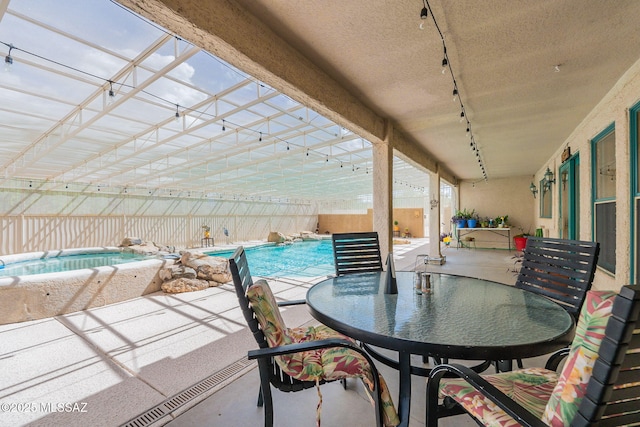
185, 357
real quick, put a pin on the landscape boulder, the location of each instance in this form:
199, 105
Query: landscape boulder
209, 268
175, 286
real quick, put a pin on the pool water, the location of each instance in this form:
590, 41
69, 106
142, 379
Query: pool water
68, 262
306, 259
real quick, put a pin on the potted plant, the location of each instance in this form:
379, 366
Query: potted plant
520, 240
459, 219
395, 226
501, 221
472, 221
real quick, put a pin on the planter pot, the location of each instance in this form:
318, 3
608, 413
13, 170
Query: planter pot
520, 243
461, 223
471, 223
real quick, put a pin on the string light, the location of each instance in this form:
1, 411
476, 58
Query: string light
112, 94
8, 60
456, 93
424, 13
177, 113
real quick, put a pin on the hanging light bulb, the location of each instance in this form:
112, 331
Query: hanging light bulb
260, 139
8, 60
461, 116
177, 114
423, 16
223, 128
455, 94
112, 94
445, 62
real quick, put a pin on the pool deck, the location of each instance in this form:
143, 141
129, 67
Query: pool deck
107, 365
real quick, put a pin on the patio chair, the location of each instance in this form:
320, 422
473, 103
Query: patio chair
561, 270
599, 384
295, 359
356, 252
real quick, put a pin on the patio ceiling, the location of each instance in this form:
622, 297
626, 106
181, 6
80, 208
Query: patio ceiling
527, 72
180, 120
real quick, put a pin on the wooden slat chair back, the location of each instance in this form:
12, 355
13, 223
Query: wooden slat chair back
561, 270
356, 253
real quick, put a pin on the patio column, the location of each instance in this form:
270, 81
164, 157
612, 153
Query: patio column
383, 191
434, 215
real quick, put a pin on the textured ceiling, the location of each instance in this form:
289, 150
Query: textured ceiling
503, 56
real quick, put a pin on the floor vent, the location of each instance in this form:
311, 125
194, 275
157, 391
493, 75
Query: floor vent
217, 380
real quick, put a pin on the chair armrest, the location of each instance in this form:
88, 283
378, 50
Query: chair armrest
305, 346
556, 358
292, 302
520, 414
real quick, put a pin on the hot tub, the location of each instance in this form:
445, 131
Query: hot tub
36, 296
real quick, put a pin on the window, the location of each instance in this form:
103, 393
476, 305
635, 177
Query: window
545, 199
604, 196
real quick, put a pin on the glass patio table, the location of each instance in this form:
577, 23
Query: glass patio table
461, 318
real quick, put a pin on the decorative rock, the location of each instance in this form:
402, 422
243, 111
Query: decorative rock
130, 241
180, 285
177, 272
208, 267
276, 237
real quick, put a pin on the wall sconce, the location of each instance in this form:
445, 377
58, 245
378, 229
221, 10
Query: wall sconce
548, 179
434, 203
533, 189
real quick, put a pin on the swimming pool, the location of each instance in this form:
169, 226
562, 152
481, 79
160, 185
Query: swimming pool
53, 264
304, 259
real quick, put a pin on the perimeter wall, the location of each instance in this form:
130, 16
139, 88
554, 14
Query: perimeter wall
33, 219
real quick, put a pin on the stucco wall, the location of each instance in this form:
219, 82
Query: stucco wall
411, 218
499, 197
614, 108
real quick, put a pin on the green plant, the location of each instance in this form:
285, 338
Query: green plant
502, 219
523, 233
463, 214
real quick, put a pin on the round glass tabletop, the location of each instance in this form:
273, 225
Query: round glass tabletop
462, 317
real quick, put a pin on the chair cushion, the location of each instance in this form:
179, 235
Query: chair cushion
530, 388
572, 383
324, 364
553, 398
268, 314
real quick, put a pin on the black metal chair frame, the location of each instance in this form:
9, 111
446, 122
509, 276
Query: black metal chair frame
269, 370
613, 392
561, 270
356, 252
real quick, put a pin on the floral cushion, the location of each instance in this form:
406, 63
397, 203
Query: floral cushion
314, 365
572, 384
554, 399
530, 388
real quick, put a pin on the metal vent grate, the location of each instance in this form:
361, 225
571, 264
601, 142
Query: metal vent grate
220, 378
